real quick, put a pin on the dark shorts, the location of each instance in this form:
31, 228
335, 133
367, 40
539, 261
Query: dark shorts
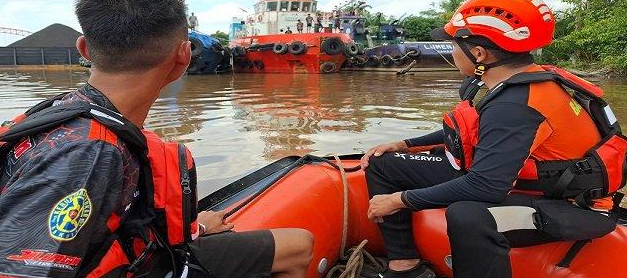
234, 255
308, 24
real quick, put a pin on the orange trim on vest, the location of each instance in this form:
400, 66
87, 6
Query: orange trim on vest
98, 131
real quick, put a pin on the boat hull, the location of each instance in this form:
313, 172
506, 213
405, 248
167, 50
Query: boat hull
260, 57
208, 55
311, 197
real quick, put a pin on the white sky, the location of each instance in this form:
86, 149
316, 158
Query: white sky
33, 15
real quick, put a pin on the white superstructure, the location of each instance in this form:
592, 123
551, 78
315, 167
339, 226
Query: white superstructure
273, 17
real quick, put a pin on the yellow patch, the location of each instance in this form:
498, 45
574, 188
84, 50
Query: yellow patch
69, 215
576, 107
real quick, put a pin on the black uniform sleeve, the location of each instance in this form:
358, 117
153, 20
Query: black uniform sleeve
433, 138
54, 211
506, 135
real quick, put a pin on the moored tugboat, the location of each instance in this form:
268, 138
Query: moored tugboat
260, 44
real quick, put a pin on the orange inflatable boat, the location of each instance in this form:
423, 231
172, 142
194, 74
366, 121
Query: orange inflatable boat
296, 192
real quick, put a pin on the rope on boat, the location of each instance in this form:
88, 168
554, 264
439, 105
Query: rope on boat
355, 257
407, 69
446, 60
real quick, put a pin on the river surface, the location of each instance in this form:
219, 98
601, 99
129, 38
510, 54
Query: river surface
235, 124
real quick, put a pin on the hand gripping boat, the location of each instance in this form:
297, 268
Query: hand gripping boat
307, 193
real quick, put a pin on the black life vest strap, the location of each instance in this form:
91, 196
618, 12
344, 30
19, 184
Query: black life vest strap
561, 173
572, 253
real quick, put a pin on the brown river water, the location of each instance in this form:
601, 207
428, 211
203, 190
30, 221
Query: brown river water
235, 124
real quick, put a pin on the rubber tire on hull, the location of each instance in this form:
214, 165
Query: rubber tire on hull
387, 61
332, 46
249, 65
197, 46
258, 64
373, 62
413, 53
328, 67
280, 48
352, 49
297, 48
401, 61
239, 51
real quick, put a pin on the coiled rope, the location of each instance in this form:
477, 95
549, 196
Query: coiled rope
357, 258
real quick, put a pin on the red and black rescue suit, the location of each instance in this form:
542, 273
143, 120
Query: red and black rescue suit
63, 192
535, 120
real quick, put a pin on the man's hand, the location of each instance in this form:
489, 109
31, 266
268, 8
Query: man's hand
214, 221
384, 205
381, 149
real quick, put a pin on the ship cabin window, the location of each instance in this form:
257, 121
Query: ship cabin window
306, 7
257, 8
271, 6
295, 6
284, 5
314, 7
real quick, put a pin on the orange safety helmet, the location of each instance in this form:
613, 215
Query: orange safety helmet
512, 25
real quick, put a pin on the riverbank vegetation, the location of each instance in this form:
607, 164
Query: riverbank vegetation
591, 35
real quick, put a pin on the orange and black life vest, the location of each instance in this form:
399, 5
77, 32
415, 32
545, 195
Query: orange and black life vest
598, 174
163, 221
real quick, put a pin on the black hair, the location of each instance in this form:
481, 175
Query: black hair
513, 58
131, 35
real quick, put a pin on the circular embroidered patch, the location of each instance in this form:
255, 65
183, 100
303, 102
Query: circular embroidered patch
69, 215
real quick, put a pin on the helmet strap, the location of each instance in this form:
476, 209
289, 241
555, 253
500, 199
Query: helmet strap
480, 68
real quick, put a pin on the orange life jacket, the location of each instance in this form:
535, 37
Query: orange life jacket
598, 174
163, 222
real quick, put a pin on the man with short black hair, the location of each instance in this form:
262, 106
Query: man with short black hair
193, 22
309, 19
299, 26
66, 193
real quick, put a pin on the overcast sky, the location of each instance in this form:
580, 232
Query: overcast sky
33, 15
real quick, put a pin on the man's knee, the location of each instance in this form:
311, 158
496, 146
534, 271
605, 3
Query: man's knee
466, 216
301, 242
375, 167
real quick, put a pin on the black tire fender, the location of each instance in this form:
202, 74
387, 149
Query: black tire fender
373, 61
239, 51
332, 46
297, 48
328, 67
280, 48
387, 61
352, 49
258, 64
413, 53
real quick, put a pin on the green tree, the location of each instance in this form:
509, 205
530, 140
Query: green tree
591, 34
222, 37
418, 28
443, 9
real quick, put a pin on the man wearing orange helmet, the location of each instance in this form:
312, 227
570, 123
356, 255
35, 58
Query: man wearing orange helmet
522, 119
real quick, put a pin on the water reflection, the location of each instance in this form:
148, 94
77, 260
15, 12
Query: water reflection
237, 123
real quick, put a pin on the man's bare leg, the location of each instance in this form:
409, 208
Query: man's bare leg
293, 252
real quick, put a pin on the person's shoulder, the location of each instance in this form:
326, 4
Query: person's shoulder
511, 94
